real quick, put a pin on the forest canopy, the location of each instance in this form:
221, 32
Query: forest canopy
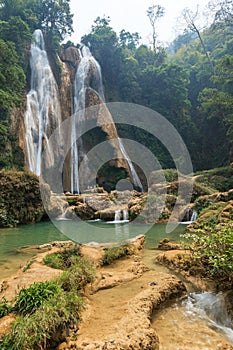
190, 82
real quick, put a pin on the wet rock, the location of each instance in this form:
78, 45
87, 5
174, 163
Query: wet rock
165, 244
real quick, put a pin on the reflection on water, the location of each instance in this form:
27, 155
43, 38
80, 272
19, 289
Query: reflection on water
81, 232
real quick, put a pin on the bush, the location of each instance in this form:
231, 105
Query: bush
46, 310
64, 259
213, 247
77, 276
5, 307
114, 253
30, 299
49, 321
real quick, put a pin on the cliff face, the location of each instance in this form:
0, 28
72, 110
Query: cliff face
101, 119
67, 65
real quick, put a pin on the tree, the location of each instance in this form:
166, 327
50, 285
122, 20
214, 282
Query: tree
128, 40
217, 103
154, 13
223, 10
17, 31
49, 15
103, 43
12, 78
54, 16
190, 18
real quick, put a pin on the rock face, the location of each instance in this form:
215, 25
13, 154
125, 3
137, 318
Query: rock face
102, 127
20, 199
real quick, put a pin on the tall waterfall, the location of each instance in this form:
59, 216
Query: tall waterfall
88, 74
43, 112
87, 69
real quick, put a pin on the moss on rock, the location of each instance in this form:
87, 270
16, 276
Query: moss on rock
20, 201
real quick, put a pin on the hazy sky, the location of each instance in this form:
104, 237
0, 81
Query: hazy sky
131, 16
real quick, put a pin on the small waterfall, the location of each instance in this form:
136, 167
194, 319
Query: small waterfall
117, 215
43, 113
88, 68
194, 216
212, 308
63, 215
188, 216
136, 181
125, 215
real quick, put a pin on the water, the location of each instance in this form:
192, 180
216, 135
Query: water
117, 215
200, 322
13, 238
194, 216
88, 69
43, 113
211, 307
88, 75
135, 179
125, 215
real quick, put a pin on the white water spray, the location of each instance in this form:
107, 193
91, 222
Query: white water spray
43, 113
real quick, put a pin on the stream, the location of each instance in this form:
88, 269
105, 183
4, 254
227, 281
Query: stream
198, 322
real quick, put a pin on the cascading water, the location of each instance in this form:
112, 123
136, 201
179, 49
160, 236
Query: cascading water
88, 75
125, 215
136, 181
43, 113
87, 67
194, 216
211, 307
117, 215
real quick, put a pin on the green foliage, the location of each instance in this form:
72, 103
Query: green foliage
55, 17
47, 309
213, 246
78, 275
30, 299
78, 271
64, 259
47, 323
20, 198
12, 77
219, 179
5, 307
114, 253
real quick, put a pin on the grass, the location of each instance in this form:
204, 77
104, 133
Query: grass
64, 259
45, 311
47, 323
114, 253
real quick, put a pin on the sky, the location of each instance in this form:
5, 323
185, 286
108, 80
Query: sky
131, 15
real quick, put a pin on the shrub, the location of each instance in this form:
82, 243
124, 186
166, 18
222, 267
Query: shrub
114, 253
30, 299
213, 247
49, 321
5, 307
64, 259
77, 276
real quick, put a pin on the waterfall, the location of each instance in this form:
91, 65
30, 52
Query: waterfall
88, 74
194, 216
43, 113
117, 215
136, 181
88, 68
125, 215
211, 307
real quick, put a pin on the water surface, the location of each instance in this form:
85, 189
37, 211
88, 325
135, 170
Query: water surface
13, 238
